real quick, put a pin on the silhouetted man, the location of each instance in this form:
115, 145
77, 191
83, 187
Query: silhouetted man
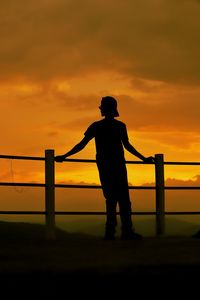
110, 138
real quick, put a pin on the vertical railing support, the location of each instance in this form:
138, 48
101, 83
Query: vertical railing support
50, 194
160, 194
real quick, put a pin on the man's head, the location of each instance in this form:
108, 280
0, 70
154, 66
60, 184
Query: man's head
108, 106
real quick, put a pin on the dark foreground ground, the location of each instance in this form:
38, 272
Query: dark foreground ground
83, 265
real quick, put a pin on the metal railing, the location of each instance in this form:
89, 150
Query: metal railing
50, 186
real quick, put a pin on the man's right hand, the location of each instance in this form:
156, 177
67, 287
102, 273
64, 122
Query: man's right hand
149, 159
60, 158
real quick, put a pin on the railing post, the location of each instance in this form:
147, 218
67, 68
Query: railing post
50, 194
160, 194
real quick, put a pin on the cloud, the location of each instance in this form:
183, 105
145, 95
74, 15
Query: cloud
156, 40
152, 110
194, 181
174, 112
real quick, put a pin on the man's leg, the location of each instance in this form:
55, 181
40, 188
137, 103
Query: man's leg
111, 218
128, 232
125, 213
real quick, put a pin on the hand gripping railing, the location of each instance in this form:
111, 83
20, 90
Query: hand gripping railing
50, 186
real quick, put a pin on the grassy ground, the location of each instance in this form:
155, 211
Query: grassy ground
74, 261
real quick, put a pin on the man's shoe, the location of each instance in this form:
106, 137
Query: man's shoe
196, 235
131, 236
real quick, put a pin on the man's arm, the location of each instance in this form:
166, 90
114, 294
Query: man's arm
133, 151
75, 149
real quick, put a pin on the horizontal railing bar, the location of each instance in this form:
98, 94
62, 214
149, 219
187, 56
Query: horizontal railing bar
95, 213
182, 213
86, 186
181, 163
68, 213
182, 187
98, 213
133, 213
18, 212
22, 157
22, 184
66, 160
94, 161
67, 185
133, 162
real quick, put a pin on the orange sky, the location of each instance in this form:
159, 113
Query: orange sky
59, 57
